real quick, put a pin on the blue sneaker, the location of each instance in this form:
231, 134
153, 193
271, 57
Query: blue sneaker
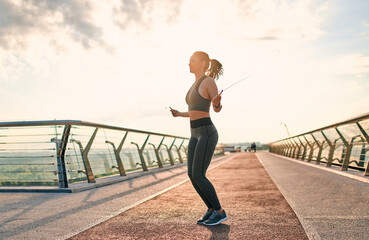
216, 218
205, 217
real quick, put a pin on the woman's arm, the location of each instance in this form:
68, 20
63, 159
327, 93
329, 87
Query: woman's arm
176, 113
213, 93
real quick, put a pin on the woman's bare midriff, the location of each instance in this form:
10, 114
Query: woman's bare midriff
194, 114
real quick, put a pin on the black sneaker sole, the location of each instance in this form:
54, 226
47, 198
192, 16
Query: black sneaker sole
216, 223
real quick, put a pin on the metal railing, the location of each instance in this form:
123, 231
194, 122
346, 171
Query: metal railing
345, 144
57, 153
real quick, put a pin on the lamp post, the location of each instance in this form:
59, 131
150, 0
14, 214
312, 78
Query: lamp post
285, 125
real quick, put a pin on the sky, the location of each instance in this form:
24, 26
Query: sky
123, 62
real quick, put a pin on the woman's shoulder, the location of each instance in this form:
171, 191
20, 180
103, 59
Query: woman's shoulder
209, 80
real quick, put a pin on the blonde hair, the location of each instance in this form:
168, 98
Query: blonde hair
213, 67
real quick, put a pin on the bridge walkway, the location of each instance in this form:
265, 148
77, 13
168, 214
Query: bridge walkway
254, 205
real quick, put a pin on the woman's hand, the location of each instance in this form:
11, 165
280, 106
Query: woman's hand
216, 100
175, 113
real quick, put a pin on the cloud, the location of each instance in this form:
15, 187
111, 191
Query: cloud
353, 64
90, 24
265, 38
142, 12
281, 20
24, 19
365, 34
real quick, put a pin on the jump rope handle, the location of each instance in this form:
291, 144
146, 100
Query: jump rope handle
219, 94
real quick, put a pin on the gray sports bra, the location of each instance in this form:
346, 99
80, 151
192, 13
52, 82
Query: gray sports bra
194, 100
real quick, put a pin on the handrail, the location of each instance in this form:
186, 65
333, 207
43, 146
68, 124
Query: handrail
79, 165
345, 122
348, 143
81, 123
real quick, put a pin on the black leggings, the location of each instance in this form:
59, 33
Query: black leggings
200, 151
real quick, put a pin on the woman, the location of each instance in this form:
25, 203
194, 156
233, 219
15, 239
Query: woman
204, 136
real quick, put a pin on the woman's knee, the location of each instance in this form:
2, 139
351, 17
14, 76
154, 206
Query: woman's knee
197, 176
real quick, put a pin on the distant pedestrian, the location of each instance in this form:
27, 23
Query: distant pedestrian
204, 135
253, 147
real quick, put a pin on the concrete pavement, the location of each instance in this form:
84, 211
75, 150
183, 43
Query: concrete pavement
59, 215
277, 199
255, 207
328, 204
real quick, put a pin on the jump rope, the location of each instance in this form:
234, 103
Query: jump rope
268, 56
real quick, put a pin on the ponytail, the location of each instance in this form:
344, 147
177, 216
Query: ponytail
213, 67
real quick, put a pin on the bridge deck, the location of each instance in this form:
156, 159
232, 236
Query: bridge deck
329, 204
268, 197
255, 207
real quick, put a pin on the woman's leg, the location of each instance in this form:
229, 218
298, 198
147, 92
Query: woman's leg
191, 151
201, 160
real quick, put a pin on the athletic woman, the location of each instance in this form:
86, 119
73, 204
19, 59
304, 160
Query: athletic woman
204, 135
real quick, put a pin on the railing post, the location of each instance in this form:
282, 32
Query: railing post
331, 149
304, 151
160, 163
119, 149
185, 151
120, 167
289, 153
84, 152
311, 145
171, 146
286, 148
276, 148
157, 155
179, 151
169, 149
140, 151
61, 146
292, 146
298, 150
320, 146
347, 153
366, 136
279, 148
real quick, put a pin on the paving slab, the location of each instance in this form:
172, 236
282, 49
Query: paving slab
58, 215
255, 207
330, 205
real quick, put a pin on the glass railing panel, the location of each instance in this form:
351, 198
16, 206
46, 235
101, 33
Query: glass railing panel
175, 155
164, 156
309, 138
150, 158
331, 134
130, 159
359, 154
339, 152
319, 137
349, 131
74, 164
28, 156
